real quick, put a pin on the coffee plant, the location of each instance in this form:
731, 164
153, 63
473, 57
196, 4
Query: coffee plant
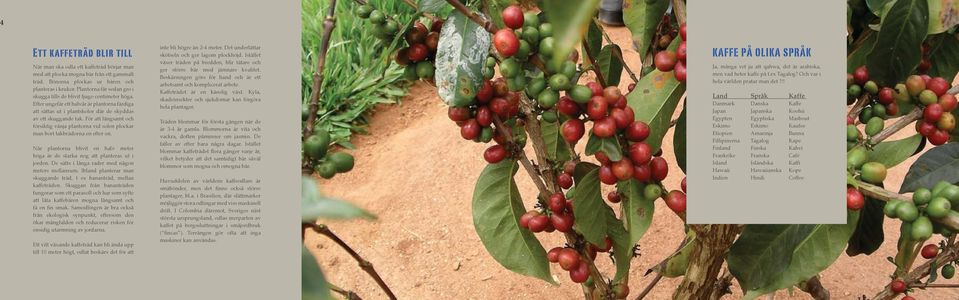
545, 77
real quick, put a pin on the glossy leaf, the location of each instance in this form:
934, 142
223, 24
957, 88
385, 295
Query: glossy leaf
556, 147
869, 234
609, 64
809, 249
858, 56
937, 164
593, 40
655, 99
945, 56
590, 209
636, 211
897, 50
570, 19
622, 247
642, 18
314, 285
943, 14
431, 6
610, 146
497, 206
315, 206
679, 140
676, 265
891, 153
460, 58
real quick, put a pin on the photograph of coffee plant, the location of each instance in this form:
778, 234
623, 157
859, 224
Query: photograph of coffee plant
536, 150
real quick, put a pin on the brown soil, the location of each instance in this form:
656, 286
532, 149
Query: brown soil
417, 175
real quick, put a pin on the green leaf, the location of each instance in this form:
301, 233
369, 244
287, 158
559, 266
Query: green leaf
642, 18
494, 9
876, 6
497, 206
636, 211
679, 140
676, 266
945, 56
608, 145
314, 284
937, 164
570, 19
609, 65
891, 153
593, 40
556, 147
897, 50
810, 249
432, 6
654, 100
622, 247
858, 56
869, 234
943, 15
460, 58
315, 206
590, 209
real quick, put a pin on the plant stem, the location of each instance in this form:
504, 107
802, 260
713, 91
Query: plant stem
521, 157
706, 259
935, 285
659, 274
948, 254
476, 18
314, 105
679, 9
592, 63
901, 123
722, 285
349, 295
858, 106
364, 264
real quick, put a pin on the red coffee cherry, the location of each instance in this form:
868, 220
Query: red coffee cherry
595, 87
470, 130
612, 94
557, 202
938, 137
860, 75
926, 129
681, 52
623, 169
553, 254
602, 158
607, 176
947, 102
580, 274
622, 116
887, 95
854, 199
641, 172
932, 113
485, 93
604, 128
613, 197
938, 85
892, 109
665, 60
640, 153
897, 286
562, 222
417, 52
573, 130
513, 17
564, 180
458, 114
568, 107
929, 251
683, 184
506, 42
659, 167
569, 167
638, 131
495, 154
568, 259
676, 201
539, 223
680, 72
484, 116
682, 31
597, 107
524, 219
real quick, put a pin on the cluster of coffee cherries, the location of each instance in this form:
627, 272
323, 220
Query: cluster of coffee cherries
938, 119
420, 53
927, 206
326, 164
384, 26
929, 251
675, 61
476, 120
929, 93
